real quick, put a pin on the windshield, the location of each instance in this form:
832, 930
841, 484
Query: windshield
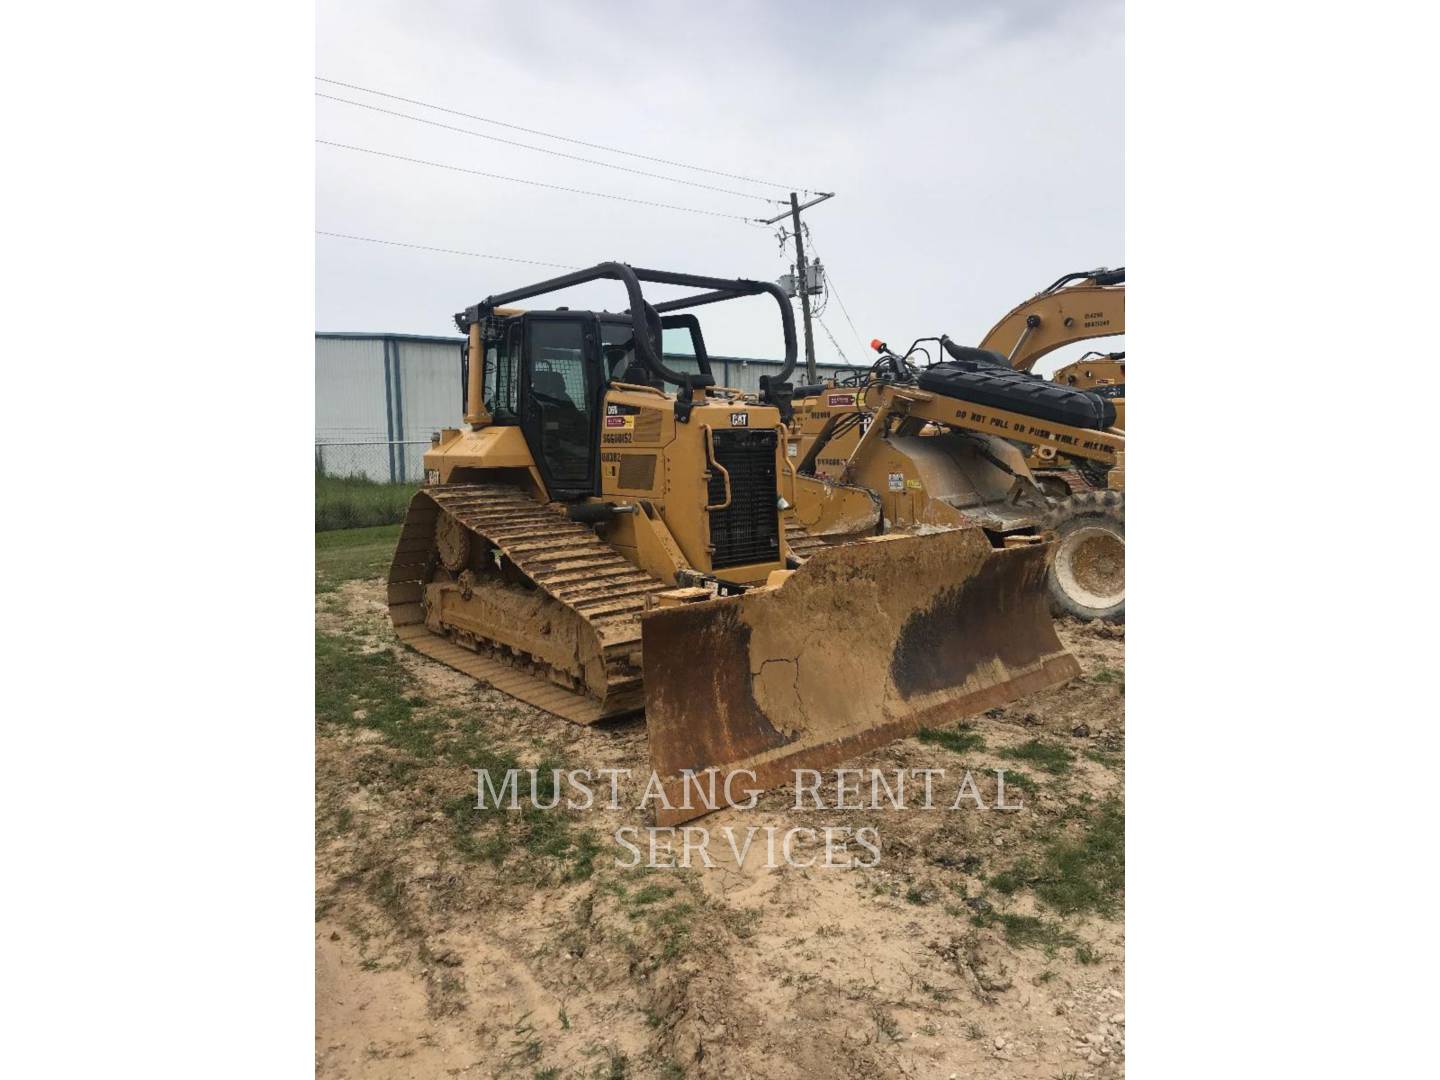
617, 345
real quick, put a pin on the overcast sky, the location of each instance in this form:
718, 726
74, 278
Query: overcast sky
976, 149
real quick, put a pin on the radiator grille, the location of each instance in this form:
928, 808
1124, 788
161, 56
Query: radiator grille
748, 531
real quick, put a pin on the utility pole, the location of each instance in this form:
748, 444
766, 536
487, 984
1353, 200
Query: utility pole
811, 376
802, 282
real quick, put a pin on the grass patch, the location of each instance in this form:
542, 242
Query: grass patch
648, 895
1015, 780
667, 912
355, 502
1022, 930
672, 925
958, 741
1101, 757
554, 846
1012, 880
1087, 874
1032, 930
885, 1024
1109, 675
354, 688
352, 555
1048, 756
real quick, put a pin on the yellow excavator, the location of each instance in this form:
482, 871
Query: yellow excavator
605, 534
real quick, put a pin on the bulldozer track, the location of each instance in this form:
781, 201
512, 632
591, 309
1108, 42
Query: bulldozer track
564, 560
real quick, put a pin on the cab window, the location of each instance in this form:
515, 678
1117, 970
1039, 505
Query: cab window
502, 377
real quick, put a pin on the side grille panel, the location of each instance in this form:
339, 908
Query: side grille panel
637, 471
748, 530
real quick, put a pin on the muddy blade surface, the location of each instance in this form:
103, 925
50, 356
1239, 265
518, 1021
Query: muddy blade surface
864, 644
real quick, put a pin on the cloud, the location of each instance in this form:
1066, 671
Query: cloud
976, 149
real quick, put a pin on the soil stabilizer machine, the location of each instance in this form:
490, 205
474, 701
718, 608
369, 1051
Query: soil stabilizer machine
594, 543
947, 444
1076, 307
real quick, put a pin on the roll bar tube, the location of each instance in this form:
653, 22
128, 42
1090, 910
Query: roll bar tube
649, 351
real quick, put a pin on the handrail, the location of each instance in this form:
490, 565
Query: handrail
709, 434
639, 388
783, 435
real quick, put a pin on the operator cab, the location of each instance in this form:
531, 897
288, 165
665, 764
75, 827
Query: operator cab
546, 372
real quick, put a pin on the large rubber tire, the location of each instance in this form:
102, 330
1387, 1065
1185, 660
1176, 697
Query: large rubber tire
1087, 575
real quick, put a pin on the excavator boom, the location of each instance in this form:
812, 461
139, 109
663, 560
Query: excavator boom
1077, 307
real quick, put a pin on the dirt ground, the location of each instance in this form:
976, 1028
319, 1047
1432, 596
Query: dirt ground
455, 943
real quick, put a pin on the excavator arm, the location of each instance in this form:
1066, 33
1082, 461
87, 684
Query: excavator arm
1077, 307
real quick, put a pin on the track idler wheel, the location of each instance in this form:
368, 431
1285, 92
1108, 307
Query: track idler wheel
452, 543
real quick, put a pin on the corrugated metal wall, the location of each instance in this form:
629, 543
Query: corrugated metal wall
378, 398
743, 373
348, 373
430, 395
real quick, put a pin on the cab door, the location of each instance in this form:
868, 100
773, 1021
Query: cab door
562, 394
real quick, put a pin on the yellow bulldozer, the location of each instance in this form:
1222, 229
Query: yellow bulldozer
606, 534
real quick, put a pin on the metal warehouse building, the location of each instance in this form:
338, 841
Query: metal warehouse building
379, 397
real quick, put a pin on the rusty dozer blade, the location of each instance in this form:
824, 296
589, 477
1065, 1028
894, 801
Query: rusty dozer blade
863, 644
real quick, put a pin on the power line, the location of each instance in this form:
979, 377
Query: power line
552, 135
542, 150
444, 251
843, 310
532, 183
831, 336
830, 285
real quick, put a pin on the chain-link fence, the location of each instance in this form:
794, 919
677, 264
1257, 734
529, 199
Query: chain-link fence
380, 460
